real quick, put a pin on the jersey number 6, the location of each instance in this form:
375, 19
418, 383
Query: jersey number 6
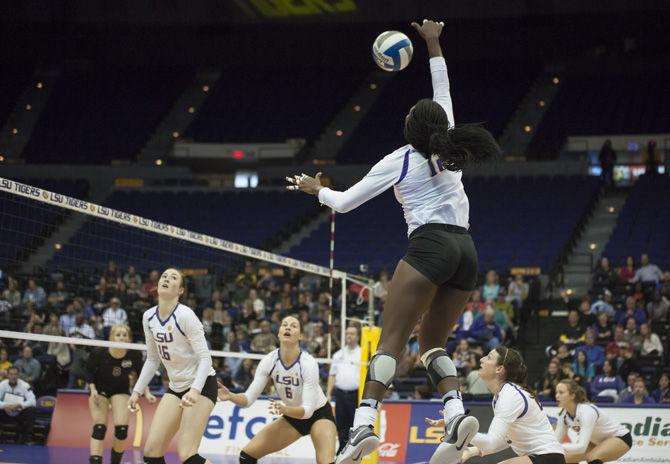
164, 352
289, 393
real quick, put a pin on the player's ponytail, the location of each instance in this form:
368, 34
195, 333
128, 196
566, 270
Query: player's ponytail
515, 368
427, 129
464, 145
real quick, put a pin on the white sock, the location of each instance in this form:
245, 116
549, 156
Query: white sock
453, 405
366, 414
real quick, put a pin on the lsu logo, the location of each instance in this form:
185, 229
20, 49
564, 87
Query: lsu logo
164, 337
287, 380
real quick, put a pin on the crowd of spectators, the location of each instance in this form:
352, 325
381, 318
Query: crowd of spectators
616, 344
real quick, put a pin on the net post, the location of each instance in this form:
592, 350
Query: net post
343, 310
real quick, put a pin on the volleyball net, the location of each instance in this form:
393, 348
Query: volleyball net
65, 262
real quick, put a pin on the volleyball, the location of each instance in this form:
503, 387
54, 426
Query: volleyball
392, 51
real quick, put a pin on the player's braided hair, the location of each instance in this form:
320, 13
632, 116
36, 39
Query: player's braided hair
427, 129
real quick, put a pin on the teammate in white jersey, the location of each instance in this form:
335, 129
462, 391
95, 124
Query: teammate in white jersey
176, 338
600, 438
303, 408
518, 421
435, 278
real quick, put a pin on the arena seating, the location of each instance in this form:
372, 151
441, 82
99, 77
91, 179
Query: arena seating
481, 92
618, 104
93, 117
643, 224
289, 107
12, 85
523, 221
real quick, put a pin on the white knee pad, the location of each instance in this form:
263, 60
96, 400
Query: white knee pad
438, 364
382, 368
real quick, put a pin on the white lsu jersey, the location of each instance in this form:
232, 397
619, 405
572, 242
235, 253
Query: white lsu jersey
591, 426
296, 385
427, 191
520, 422
179, 343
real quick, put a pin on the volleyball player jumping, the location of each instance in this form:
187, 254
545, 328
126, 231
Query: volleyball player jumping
439, 271
304, 408
175, 337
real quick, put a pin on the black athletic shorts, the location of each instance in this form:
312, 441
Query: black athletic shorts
304, 426
209, 390
627, 439
109, 392
551, 458
445, 254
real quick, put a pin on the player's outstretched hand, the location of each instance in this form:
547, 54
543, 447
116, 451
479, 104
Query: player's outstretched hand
429, 29
305, 183
132, 401
434, 422
223, 393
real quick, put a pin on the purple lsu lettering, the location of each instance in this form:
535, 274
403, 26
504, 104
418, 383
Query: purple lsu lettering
162, 337
287, 380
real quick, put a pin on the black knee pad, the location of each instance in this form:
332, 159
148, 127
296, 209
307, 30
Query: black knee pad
99, 431
95, 460
160, 460
120, 432
246, 459
195, 459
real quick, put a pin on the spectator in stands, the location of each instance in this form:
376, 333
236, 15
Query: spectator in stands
574, 332
507, 312
605, 275
17, 405
485, 331
29, 368
491, 287
81, 329
658, 307
651, 158
594, 354
131, 276
627, 271
114, 315
35, 295
137, 295
626, 363
243, 340
68, 319
245, 375
607, 383
103, 293
638, 294
647, 273
631, 311
257, 304
423, 392
603, 304
630, 332
464, 358
60, 350
603, 329
630, 383
5, 363
11, 294
59, 296
246, 315
612, 349
265, 341
245, 281
607, 158
111, 273
586, 317
662, 393
563, 354
650, 342
231, 345
517, 292
476, 304
552, 376
150, 287
639, 395
583, 368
